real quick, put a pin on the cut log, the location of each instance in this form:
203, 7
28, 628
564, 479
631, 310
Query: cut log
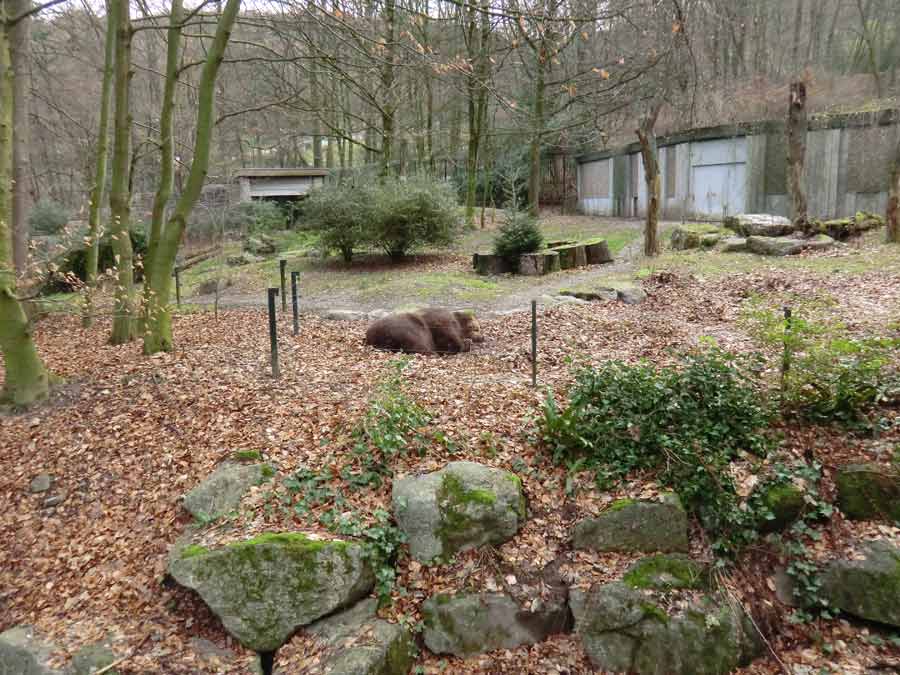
571, 256
597, 252
537, 264
488, 263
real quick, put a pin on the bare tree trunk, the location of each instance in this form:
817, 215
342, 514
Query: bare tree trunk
119, 196
796, 146
23, 186
870, 46
650, 154
166, 143
98, 190
893, 208
537, 135
26, 379
158, 336
387, 83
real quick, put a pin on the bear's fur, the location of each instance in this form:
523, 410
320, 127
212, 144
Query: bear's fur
425, 331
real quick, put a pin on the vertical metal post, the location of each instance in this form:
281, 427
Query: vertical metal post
294, 276
282, 264
786, 355
273, 334
178, 286
534, 343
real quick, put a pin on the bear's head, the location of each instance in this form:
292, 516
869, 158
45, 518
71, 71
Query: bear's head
469, 325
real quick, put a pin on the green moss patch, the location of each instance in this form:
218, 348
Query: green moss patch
246, 455
193, 550
664, 572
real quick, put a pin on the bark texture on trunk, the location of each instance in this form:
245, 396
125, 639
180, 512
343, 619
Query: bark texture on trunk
26, 378
893, 208
98, 189
158, 334
119, 197
537, 136
23, 186
796, 146
650, 154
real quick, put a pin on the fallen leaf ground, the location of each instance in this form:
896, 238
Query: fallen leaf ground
127, 435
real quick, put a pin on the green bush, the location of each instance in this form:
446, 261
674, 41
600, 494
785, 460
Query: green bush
828, 375
47, 217
409, 214
687, 421
339, 214
518, 234
397, 216
255, 216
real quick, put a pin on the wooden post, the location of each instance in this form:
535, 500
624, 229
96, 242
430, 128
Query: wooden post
534, 343
282, 264
273, 334
294, 276
178, 286
786, 354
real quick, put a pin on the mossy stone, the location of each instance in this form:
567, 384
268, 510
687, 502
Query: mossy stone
868, 492
784, 501
867, 588
475, 623
463, 506
222, 491
264, 588
625, 630
636, 526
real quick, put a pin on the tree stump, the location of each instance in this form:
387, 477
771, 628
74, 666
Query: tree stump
597, 252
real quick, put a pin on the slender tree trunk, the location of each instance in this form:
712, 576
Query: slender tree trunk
650, 154
23, 186
870, 46
893, 208
158, 336
796, 146
26, 378
98, 190
537, 135
119, 196
166, 145
387, 84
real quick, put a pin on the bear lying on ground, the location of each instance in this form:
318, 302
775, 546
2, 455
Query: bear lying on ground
426, 331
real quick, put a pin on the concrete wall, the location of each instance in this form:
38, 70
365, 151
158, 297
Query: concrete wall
847, 169
277, 186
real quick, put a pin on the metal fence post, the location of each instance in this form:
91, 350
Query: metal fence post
294, 276
273, 334
282, 264
534, 343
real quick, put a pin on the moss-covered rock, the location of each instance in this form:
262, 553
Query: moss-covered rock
462, 506
783, 503
625, 630
869, 491
358, 643
867, 588
91, 658
24, 652
468, 624
222, 490
696, 235
666, 571
636, 526
264, 588
759, 224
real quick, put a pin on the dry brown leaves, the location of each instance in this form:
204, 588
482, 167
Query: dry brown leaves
128, 435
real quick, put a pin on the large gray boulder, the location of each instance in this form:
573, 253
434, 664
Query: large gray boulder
24, 652
867, 588
468, 624
783, 246
685, 237
221, 491
462, 506
263, 589
91, 658
358, 643
869, 491
630, 526
759, 225
625, 630
734, 245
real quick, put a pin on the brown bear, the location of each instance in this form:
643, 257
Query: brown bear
425, 332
